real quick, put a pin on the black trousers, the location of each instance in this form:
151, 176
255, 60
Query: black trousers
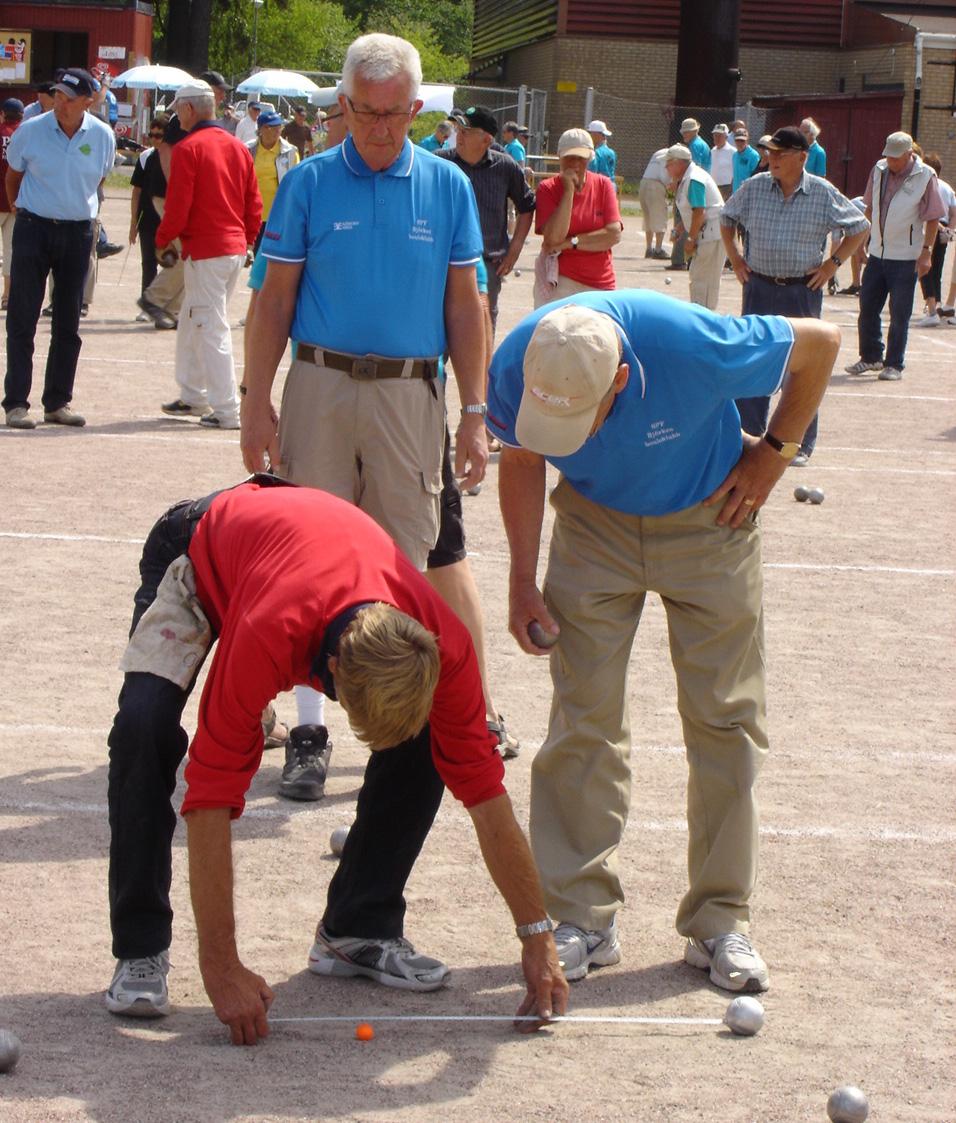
147, 251
397, 804
42, 246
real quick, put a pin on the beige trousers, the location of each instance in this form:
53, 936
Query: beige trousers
601, 565
706, 266
377, 444
166, 290
565, 287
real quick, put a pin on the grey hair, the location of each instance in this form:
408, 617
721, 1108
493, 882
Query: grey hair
378, 58
443, 128
812, 127
204, 104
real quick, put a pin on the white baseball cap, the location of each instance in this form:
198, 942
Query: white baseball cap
678, 152
576, 142
898, 144
196, 88
689, 125
569, 365
721, 129
599, 127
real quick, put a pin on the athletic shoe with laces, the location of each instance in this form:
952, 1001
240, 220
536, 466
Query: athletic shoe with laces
19, 418
179, 408
64, 416
214, 421
863, 366
732, 960
393, 962
801, 460
307, 755
930, 320
579, 950
139, 988
890, 374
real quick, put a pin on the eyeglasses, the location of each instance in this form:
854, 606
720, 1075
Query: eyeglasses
331, 116
369, 117
159, 135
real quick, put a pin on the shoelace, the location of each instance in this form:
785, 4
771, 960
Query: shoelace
736, 943
147, 966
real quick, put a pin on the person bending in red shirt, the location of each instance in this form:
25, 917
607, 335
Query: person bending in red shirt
298, 586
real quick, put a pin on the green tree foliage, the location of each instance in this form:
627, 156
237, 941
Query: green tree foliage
449, 20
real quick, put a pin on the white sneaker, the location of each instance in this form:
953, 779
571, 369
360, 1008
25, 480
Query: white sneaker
391, 962
139, 988
579, 950
930, 320
732, 960
890, 374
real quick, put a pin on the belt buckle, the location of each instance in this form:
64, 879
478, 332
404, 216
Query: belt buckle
364, 370
781, 281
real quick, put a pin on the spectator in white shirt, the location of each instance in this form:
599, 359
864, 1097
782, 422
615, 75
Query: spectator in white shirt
722, 161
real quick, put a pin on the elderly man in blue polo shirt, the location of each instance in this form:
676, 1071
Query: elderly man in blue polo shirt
56, 163
371, 251
786, 216
630, 396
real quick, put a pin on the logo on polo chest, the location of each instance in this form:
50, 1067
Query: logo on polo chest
350, 224
421, 231
85, 149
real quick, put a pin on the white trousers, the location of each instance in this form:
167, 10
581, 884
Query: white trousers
204, 366
706, 267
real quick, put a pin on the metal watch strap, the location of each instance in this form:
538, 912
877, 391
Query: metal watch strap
481, 409
535, 929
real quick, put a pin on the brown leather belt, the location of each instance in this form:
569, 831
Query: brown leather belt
366, 368
784, 280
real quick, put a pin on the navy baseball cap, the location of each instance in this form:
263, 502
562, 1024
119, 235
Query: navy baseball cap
76, 82
267, 120
12, 107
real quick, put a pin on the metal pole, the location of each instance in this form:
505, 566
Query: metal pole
256, 4
523, 106
588, 106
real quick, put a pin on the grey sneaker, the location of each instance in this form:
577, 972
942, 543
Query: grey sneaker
393, 963
579, 950
19, 418
64, 416
801, 460
307, 755
139, 987
732, 960
890, 374
862, 366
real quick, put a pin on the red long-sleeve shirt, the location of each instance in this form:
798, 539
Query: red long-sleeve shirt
274, 567
212, 202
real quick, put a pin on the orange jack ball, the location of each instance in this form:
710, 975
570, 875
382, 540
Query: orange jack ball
364, 1032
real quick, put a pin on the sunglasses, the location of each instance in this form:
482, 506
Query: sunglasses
160, 135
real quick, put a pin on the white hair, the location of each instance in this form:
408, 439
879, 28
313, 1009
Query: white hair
379, 58
204, 104
811, 126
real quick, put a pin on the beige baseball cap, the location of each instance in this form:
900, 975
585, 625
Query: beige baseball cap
569, 365
678, 152
898, 144
690, 125
576, 142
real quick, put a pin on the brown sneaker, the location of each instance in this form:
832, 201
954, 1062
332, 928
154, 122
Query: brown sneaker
64, 416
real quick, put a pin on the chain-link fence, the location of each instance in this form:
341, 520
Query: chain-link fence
642, 127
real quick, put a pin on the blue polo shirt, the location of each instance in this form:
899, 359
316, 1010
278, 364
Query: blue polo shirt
61, 173
604, 161
673, 432
516, 151
745, 161
376, 246
700, 152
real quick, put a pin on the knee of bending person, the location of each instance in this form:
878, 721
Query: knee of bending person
149, 711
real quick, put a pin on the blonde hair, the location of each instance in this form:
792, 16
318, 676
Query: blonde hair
386, 674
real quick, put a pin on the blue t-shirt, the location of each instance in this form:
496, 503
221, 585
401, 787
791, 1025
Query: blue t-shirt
700, 153
376, 246
61, 173
516, 151
816, 160
604, 161
430, 143
673, 432
745, 160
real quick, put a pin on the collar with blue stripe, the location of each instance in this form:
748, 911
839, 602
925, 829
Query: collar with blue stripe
400, 167
330, 646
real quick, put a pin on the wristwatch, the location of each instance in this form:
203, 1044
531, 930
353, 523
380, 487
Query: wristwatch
481, 409
838, 261
535, 929
574, 242
787, 449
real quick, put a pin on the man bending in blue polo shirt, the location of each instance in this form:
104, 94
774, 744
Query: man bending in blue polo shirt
371, 251
630, 395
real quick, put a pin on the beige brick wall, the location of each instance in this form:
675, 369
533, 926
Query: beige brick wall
634, 86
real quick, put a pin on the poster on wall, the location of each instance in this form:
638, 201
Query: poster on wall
14, 56
111, 60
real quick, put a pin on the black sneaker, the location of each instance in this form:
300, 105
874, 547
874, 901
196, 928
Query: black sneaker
179, 408
307, 755
108, 249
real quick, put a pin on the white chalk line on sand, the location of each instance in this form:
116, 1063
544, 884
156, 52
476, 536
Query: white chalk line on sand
885, 397
492, 556
589, 1019
931, 837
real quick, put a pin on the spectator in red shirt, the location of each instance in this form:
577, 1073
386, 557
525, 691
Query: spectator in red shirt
213, 206
578, 214
12, 114
298, 587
